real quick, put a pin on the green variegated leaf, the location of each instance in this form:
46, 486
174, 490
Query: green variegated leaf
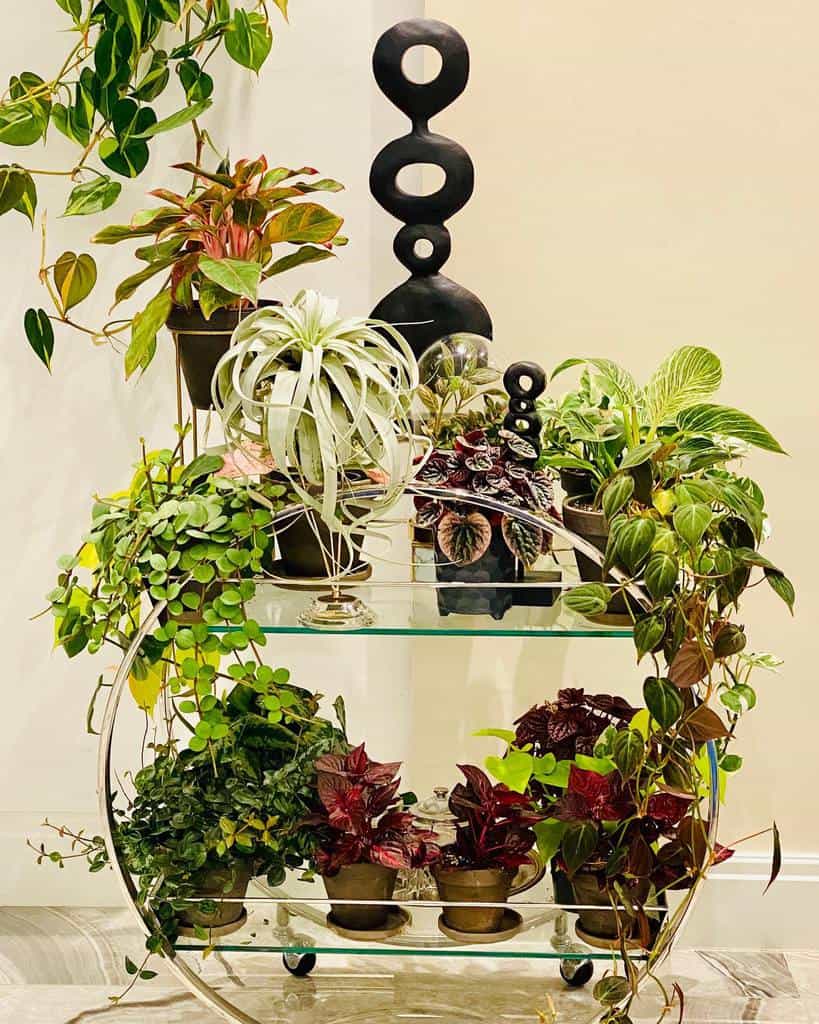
617, 495
616, 382
661, 572
782, 586
75, 277
248, 39
691, 522
689, 375
663, 700
634, 542
628, 751
92, 196
588, 598
144, 330
648, 633
725, 421
241, 277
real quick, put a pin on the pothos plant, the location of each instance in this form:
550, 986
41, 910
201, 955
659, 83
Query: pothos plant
503, 471
122, 58
214, 246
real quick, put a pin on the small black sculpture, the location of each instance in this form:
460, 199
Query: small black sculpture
432, 304
524, 383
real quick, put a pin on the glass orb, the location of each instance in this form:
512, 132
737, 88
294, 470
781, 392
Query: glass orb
452, 356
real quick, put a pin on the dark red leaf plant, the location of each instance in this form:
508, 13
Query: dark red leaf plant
362, 820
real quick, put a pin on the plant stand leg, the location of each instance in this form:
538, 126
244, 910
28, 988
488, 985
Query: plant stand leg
295, 963
575, 970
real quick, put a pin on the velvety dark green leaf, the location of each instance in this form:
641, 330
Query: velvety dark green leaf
617, 495
578, 843
40, 335
649, 630
612, 990
661, 573
634, 542
691, 522
588, 598
628, 751
663, 700
198, 84
781, 585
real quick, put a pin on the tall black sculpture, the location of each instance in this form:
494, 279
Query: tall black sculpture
432, 304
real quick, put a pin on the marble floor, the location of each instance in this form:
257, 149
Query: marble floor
60, 966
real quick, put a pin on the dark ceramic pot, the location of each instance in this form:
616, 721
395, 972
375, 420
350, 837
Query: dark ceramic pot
576, 482
465, 885
202, 343
496, 565
591, 525
601, 923
210, 885
301, 550
361, 882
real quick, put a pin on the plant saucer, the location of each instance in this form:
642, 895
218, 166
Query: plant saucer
511, 924
397, 920
217, 931
598, 942
528, 875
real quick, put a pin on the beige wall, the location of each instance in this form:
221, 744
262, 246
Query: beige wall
646, 178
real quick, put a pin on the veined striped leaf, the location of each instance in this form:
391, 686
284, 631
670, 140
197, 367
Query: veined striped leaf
727, 422
689, 375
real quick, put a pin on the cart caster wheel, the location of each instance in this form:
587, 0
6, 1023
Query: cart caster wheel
576, 973
299, 964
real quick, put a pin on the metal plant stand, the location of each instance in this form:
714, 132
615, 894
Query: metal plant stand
295, 928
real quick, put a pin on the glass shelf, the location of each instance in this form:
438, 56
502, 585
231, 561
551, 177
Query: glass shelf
410, 608
278, 922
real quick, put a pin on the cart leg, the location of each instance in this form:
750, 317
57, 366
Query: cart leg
297, 964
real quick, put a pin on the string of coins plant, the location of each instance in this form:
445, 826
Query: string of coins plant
237, 788
121, 60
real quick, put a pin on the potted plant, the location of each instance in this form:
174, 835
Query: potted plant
364, 836
328, 398
210, 812
215, 246
469, 545
122, 57
493, 839
648, 440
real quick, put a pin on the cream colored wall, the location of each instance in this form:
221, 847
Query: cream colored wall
76, 432
647, 178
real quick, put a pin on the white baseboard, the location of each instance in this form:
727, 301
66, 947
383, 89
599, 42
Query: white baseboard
731, 910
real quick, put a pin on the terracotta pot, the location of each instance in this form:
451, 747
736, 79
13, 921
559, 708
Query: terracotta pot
591, 525
467, 885
601, 923
210, 885
361, 882
202, 343
496, 565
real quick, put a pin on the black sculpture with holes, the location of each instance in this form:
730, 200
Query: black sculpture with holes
428, 305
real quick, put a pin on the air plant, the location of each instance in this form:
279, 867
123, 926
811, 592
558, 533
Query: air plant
362, 820
324, 395
501, 471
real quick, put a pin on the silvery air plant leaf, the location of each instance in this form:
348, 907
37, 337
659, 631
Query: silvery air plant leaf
323, 394
523, 540
464, 538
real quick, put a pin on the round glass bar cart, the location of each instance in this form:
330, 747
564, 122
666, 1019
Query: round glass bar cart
291, 920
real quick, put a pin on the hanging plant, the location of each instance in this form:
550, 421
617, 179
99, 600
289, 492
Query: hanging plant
123, 57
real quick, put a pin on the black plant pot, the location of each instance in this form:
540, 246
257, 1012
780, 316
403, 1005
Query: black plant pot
592, 526
302, 553
496, 565
576, 482
202, 343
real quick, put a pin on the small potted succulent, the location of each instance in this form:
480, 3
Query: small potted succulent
494, 837
365, 837
474, 547
215, 246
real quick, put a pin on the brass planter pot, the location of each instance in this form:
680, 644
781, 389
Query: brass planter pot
465, 885
210, 885
360, 882
601, 923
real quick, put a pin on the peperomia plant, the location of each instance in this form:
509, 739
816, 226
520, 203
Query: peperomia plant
123, 56
362, 820
502, 471
215, 246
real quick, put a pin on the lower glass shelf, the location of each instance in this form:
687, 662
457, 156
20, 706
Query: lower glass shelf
278, 922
